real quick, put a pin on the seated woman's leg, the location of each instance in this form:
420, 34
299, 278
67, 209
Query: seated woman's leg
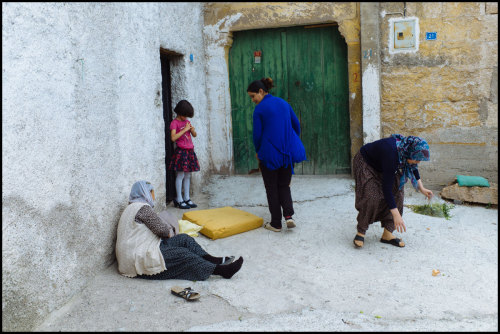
186, 241
181, 263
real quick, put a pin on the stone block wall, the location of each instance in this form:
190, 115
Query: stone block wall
447, 90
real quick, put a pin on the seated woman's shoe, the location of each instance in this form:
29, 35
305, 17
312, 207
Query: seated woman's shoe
190, 203
181, 205
228, 270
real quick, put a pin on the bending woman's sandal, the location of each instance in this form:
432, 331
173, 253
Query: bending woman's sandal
186, 293
394, 242
359, 238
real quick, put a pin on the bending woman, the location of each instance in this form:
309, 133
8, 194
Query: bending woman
146, 247
381, 169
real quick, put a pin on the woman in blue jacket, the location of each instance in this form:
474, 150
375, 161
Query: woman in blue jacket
276, 131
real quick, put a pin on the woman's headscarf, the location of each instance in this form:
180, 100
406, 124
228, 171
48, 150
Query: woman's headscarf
413, 148
141, 192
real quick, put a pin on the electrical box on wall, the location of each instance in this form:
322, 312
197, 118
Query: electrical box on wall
403, 34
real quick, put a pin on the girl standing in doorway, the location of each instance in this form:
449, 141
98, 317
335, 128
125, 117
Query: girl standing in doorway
276, 131
184, 160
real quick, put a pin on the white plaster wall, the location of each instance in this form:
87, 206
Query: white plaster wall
371, 104
216, 37
82, 120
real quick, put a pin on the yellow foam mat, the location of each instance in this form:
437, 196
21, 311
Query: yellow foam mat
223, 222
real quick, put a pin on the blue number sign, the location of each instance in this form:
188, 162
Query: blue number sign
430, 36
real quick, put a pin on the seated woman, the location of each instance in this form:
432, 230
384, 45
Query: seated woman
380, 170
146, 246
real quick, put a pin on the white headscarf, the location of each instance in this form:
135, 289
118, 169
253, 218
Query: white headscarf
141, 192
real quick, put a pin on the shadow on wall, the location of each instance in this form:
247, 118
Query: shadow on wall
49, 257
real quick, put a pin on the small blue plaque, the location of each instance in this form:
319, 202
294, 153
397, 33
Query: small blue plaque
431, 36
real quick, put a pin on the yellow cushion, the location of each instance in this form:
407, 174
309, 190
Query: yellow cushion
223, 222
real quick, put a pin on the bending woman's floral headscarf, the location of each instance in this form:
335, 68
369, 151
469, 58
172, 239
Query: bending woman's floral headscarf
141, 192
413, 148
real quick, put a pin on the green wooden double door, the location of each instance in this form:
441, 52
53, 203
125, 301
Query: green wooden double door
309, 70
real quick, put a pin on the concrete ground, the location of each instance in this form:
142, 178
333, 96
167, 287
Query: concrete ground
312, 278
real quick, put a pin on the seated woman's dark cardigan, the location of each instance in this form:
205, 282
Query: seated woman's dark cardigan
382, 155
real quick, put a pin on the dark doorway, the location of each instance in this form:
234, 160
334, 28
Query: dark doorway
166, 59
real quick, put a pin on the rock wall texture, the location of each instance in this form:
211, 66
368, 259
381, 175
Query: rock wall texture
82, 120
447, 90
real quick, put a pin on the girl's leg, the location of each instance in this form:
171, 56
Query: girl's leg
186, 184
178, 186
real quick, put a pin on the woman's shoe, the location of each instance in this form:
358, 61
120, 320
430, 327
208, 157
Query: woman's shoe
181, 205
290, 223
270, 227
227, 259
190, 203
358, 238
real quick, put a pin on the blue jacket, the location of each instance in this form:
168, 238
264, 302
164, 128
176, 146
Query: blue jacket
276, 131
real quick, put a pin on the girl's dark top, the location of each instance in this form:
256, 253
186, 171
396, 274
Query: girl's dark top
382, 155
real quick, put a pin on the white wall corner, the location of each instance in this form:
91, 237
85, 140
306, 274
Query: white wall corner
371, 104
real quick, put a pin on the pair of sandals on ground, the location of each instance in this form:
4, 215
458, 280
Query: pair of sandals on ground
188, 293
387, 238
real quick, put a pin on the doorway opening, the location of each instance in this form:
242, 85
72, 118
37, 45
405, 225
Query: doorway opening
167, 59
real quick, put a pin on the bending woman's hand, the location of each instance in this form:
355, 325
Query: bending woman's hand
427, 193
398, 220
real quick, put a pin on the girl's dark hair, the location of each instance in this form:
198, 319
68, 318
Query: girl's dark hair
265, 84
184, 108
